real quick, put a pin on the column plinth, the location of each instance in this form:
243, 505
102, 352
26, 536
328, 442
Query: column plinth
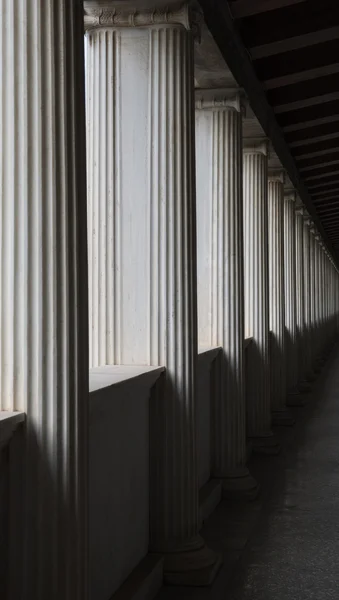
256, 297
220, 277
280, 415
43, 301
141, 163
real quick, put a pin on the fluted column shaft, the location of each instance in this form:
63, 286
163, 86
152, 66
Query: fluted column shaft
307, 298
256, 289
142, 248
276, 289
291, 340
43, 302
300, 291
322, 295
220, 272
317, 331
312, 296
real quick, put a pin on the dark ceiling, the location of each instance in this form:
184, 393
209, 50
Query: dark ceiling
285, 54
294, 49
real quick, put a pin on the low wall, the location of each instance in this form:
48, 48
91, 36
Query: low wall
118, 474
248, 346
205, 389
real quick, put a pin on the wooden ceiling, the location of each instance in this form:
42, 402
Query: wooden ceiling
294, 49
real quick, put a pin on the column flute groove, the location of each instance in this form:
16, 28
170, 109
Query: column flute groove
43, 304
291, 340
307, 297
277, 297
220, 276
303, 385
256, 297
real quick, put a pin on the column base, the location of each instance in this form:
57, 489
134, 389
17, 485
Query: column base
282, 418
265, 445
240, 486
195, 565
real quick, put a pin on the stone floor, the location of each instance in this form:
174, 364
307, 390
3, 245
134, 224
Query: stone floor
285, 545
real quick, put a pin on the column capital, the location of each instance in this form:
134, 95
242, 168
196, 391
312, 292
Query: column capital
276, 175
221, 99
299, 208
256, 146
307, 219
116, 13
290, 196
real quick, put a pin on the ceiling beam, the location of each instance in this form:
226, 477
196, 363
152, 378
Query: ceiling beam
319, 165
294, 43
331, 210
327, 202
322, 176
297, 61
220, 22
300, 76
247, 8
329, 220
314, 140
290, 106
312, 123
317, 153
317, 195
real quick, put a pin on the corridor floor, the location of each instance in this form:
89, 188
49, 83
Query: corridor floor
285, 545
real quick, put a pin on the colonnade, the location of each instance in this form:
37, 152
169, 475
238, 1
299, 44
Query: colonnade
192, 242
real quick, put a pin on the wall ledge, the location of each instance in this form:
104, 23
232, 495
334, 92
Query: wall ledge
9, 421
107, 376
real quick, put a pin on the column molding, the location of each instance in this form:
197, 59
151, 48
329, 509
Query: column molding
112, 14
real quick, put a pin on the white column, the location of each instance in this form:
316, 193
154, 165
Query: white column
307, 349
313, 299
322, 297
291, 339
220, 276
300, 290
43, 302
277, 297
142, 257
256, 296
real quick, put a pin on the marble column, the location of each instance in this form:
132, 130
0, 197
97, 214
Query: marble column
303, 385
277, 297
317, 250
291, 337
256, 296
314, 300
220, 276
310, 376
142, 246
322, 296
43, 302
